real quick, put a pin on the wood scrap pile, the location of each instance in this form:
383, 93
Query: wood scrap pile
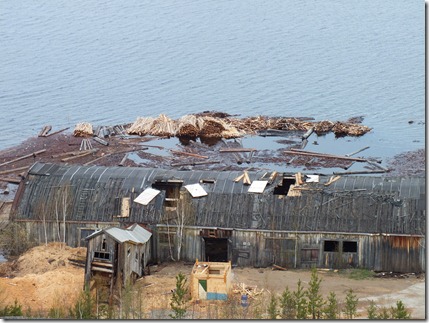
83, 129
323, 127
251, 291
349, 129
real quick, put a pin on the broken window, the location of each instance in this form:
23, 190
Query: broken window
349, 246
331, 245
103, 245
102, 255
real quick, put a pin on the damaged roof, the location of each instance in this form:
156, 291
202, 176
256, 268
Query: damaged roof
140, 178
100, 194
134, 234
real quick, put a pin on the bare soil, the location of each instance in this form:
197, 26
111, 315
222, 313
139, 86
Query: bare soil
43, 277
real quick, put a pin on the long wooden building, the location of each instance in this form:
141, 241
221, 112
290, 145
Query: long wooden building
377, 223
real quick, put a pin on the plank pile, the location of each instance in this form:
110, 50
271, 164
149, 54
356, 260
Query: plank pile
251, 291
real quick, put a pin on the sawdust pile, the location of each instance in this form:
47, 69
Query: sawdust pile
42, 259
43, 277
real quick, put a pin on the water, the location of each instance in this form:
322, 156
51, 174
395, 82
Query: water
107, 62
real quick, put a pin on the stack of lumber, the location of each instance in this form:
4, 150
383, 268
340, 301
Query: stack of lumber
83, 129
141, 126
163, 126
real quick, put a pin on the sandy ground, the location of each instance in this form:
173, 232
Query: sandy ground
43, 278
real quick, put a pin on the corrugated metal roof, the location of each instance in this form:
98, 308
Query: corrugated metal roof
141, 178
406, 187
134, 233
350, 204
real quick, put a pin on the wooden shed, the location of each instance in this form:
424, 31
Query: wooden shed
119, 254
211, 280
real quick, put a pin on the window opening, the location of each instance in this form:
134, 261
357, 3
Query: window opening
283, 188
102, 255
331, 246
103, 245
172, 191
349, 246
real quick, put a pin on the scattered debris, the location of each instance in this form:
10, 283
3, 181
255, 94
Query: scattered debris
276, 267
250, 291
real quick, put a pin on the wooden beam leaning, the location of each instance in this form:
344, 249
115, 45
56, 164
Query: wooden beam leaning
34, 154
321, 155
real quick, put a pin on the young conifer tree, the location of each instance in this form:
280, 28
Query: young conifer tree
315, 298
179, 297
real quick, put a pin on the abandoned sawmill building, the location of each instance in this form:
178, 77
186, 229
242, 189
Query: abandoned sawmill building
377, 223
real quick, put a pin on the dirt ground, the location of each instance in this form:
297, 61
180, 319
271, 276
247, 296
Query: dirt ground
43, 278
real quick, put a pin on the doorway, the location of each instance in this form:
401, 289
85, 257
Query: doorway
216, 249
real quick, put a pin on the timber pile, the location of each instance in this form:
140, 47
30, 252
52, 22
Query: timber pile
251, 291
83, 129
163, 126
142, 126
212, 126
189, 126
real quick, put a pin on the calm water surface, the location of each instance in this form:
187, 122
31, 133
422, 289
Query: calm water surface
108, 62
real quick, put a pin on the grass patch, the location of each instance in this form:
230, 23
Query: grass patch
358, 274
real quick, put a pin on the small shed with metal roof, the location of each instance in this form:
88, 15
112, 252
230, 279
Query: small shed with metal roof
120, 255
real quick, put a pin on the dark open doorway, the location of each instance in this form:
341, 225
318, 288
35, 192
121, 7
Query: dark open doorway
216, 249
